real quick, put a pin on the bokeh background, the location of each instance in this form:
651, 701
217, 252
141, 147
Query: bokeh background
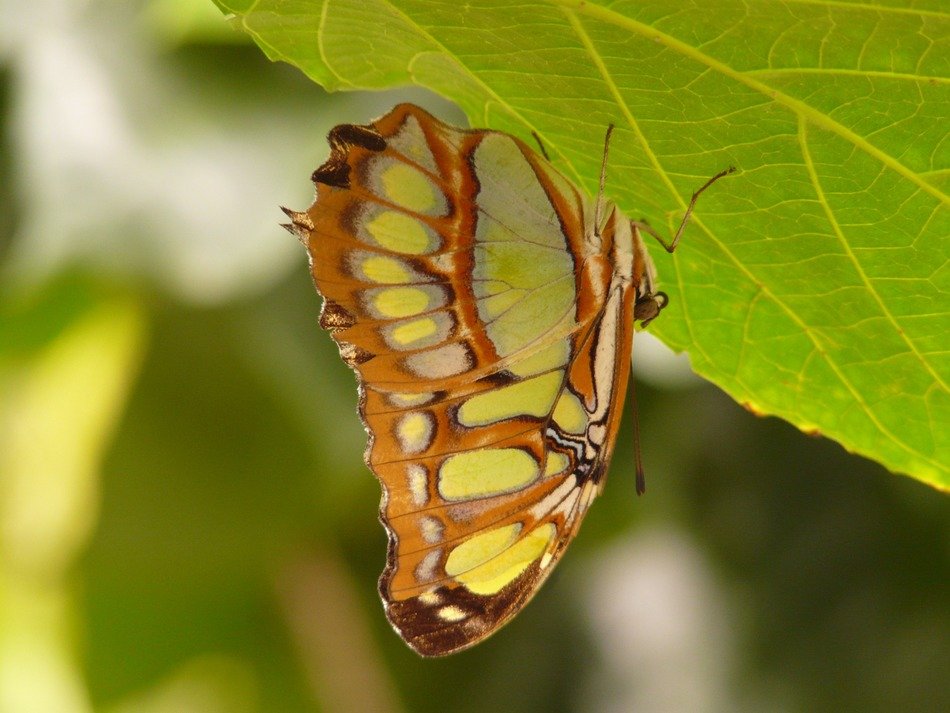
186, 523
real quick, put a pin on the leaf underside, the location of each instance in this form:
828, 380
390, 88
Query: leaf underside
814, 284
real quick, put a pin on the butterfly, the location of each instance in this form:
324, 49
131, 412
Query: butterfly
487, 307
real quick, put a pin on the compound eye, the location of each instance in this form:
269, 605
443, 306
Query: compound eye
649, 307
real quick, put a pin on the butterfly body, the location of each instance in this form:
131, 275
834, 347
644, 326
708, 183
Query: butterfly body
487, 307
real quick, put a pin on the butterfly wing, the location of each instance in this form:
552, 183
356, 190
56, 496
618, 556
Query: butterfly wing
489, 329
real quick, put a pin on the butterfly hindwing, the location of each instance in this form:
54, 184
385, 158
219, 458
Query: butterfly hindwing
490, 328
476, 562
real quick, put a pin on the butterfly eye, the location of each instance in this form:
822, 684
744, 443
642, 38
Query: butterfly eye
649, 307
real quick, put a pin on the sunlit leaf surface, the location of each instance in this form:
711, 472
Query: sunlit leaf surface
814, 284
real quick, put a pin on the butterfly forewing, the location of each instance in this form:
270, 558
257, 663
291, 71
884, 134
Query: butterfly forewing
489, 326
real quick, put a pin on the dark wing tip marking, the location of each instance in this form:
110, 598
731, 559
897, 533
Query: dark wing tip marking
345, 135
353, 355
336, 171
333, 317
427, 632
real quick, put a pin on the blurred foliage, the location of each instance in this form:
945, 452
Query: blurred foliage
186, 523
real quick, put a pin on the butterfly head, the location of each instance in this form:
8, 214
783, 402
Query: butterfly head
648, 302
648, 307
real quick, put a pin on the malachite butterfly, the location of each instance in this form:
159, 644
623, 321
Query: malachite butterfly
487, 307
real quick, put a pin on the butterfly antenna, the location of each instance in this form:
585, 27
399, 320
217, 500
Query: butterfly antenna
599, 207
641, 476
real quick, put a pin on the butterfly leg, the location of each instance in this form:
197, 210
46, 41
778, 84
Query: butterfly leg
671, 246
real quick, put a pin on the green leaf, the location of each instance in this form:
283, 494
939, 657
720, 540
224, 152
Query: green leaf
813, 285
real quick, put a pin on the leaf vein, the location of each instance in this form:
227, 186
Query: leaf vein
798, 106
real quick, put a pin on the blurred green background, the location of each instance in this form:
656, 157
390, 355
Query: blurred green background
185, 519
